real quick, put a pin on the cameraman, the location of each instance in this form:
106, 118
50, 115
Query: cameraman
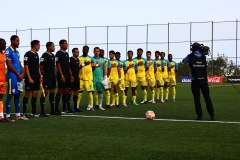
198, 66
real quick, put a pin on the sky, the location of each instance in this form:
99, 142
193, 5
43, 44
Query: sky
26, 14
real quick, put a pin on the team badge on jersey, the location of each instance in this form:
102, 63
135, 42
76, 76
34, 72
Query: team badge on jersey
25, 58
41, 59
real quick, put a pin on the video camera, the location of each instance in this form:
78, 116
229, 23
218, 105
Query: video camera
201, 48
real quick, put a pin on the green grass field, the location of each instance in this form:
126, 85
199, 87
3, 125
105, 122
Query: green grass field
78, 137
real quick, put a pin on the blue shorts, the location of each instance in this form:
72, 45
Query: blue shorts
12, 86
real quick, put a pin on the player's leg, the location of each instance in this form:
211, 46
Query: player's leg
122, 88
173, 85
134, 95
2, 92
34, 103
115, 90
144, 89
81, 88
90, 88
166, 87
27, 94
46, 83
99, 88
11, 88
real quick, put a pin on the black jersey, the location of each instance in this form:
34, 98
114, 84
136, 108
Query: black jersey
74, 64
48, 62
31, 59
62, 58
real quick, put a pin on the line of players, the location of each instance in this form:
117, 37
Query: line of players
78, 73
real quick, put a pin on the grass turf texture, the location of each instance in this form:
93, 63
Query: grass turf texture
59, 137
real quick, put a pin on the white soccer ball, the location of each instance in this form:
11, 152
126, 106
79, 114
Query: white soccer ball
150, 115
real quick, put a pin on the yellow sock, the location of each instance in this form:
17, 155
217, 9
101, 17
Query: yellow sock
153, 94
161, 90
166, 92
113, 99
1, 109
174, 92
116, 98
90, 98
79, 98
96, 98
158, 92
134, 99
123, 98
107, 97
145, 95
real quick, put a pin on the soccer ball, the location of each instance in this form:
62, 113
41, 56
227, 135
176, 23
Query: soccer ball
150, 115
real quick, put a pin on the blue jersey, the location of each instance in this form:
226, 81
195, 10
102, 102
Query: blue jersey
14, 56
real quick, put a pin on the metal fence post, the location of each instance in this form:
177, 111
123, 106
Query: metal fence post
190, 35
236, 47
107, 41
68, 38
31, 34
16, 31
126, 40
147, 39
168, 38
49, 34
85, 35
212, 48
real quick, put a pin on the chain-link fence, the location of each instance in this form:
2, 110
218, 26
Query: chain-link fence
175, 38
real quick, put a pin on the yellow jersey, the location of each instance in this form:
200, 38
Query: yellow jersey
121, 68
130, 74
166, 65
114, 71
174, 68
152, 66
141, 68
86, 72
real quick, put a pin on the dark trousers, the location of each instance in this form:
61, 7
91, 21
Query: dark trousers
196, 86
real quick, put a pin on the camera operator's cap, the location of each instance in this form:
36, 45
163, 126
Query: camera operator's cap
196, 46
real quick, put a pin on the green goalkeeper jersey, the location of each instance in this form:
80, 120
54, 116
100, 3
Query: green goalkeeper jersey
98, 72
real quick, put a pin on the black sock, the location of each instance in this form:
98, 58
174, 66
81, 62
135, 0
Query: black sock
64, 101
51, 100
25, 103
34, 105
42, 103
69, 101
57, 100
75, 98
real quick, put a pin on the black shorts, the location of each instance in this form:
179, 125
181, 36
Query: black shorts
75, 85
49, 80
67, 77
32, 86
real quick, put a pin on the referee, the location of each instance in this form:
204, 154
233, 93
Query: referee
64, 78
47, 68
75, 85
33, 77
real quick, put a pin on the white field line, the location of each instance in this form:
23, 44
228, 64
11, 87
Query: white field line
170, 120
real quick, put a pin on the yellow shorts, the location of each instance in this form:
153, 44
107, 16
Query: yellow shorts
172, 82
151, 82
2, 87
160, 82
142, 81
122, 85
86, 85
130, 84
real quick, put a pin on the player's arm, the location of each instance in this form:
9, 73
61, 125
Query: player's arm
168, 66
59, 69
146, 65
12, 68
119, 71
155, 66
26, 60
136, 68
